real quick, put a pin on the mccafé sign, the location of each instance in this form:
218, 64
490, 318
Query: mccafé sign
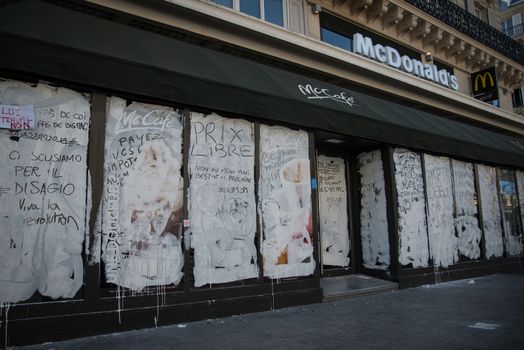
390, 56
484, 85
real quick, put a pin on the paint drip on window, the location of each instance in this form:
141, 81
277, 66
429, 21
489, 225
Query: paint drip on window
466, 222
285, 202
443, 243
43, 193
490, 208
412, 228
373, 214
222, 207
334, 231
141, 210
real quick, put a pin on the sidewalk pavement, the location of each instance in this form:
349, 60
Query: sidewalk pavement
480, 313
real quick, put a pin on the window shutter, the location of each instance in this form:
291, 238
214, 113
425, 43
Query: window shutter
470, 5
492, 18
296, 16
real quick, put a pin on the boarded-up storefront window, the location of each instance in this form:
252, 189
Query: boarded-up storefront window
222, 207
441, 230
285, 202
466, 221
333, 211
373, 214
490, 207
141, 208
43, 191
412, 229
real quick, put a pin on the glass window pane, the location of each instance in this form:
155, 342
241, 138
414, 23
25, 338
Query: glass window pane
228, 3
250, 7
510, 212
274, 12
336, 39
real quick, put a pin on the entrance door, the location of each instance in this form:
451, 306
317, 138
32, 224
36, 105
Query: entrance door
334, 218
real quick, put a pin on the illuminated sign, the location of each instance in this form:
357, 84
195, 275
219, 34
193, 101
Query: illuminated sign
390, 56
484, 85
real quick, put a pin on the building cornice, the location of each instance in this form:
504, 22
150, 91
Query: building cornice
258, 36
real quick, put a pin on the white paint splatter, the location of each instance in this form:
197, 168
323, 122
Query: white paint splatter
334, 231
441, 230
373, 214
222, 209
412, 228
285, 202
466, 222
490, 208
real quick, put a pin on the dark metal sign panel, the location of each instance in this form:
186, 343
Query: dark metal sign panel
484, 85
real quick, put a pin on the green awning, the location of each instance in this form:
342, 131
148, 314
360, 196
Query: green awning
55, 42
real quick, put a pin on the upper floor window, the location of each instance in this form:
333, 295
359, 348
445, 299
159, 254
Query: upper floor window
504, 4
268, 10
512, 26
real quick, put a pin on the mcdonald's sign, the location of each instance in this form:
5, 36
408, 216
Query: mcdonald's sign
484, 85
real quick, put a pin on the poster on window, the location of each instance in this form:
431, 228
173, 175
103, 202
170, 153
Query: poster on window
141, 211
334, 231
285, 202
412, 228
490, 207
443, 243
373, 212
43, 193
466, 222
222, 209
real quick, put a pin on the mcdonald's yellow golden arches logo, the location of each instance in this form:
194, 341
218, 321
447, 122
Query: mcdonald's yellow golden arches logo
483, 79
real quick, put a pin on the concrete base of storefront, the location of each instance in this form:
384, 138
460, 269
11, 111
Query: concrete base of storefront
479, 313
350, 286
32, 323
409, 278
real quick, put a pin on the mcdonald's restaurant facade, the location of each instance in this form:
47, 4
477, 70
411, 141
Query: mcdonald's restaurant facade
171, 161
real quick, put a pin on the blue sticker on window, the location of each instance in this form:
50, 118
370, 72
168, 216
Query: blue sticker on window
314, 184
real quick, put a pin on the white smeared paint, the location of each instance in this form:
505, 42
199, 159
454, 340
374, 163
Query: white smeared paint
443, 243
373, 214
412, 228
466, 222
222, 209
334, 231
285, 202
43, 191
490, 207
142, 199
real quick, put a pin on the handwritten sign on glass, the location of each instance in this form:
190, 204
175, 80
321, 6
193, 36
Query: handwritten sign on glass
334, 231
222, 207
441, 230
43, 193
412, 228
143, 196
